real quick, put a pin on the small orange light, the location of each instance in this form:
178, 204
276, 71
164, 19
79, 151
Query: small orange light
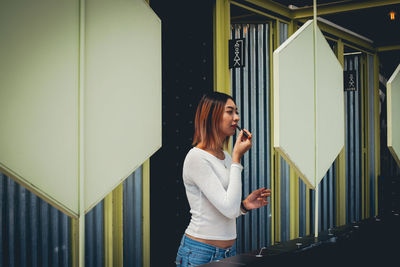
392, 15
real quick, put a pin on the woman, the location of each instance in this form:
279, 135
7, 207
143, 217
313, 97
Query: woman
212, 180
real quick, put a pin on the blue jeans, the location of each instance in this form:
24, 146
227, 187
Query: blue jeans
194, 253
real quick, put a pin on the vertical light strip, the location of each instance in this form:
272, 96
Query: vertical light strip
277, 197
372, 135
341, 163
146, 213
359, 62
108, 230
366, 118
377, 130
308, 211
294, 204
118, 228
113, 227
315, 117
146, 209
221, 31
272, 44
75, 242
222, 24
275, 179
81, 156
294, 183
363, 146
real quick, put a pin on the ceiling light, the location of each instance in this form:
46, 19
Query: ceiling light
392, 15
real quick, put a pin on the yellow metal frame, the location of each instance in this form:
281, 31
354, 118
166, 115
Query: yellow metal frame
289, 15
388, 48
293, 17
339, 7
113, 227
74, 241
294, 180
366, 148
146, 209
294, 204
222, 79
81, 157
364, 139
308, 232
342, 39
277, 200
274, 7
113, 222
350, 40
270, 16
377, 130
275, 158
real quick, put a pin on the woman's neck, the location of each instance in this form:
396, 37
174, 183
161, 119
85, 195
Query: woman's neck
219, 152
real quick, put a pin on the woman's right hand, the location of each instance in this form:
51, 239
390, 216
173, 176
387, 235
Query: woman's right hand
242, 145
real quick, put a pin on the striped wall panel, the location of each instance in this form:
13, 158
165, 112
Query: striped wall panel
353, 143
133, 219
33, 233
94, 236
302, 208
251, 91
327, 200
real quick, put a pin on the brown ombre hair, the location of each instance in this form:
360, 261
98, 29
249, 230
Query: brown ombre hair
207, 120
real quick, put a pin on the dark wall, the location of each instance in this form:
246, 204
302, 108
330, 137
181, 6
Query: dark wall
187, 73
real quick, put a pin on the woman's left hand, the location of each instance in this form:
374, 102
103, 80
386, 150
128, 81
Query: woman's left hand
257, 199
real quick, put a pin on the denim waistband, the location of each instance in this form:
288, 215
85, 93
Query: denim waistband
188, 242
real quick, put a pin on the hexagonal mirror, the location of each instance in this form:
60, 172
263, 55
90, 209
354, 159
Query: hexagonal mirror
308, 104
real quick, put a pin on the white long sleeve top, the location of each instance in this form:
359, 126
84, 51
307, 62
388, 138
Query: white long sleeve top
214, 191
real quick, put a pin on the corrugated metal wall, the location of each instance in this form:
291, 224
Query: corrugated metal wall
251, 91
33, 233
133, 229
284, 176
353, 139
94, 236
327, 202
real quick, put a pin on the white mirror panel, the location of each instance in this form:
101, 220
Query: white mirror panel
330, 105
39, 98
294, 133
39, 53
393, 114
308, 124
123, 92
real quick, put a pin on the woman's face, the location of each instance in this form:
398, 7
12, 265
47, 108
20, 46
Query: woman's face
230, 119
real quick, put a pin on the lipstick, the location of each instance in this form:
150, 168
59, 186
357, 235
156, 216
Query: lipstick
244, 133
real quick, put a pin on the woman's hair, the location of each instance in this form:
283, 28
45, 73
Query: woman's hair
208, 118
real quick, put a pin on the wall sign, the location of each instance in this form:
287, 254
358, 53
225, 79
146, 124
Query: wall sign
236, 53
350, 80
